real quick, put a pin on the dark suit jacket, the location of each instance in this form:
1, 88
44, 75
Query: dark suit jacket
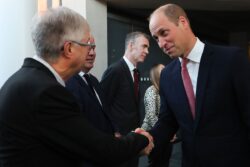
219, 135
117, 83
41, 125
90, 106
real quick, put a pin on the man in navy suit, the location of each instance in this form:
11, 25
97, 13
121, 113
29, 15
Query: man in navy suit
118, 84
40, 122
217, 133
92, 103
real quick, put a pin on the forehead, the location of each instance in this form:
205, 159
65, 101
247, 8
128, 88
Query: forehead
92, 39
159, 20
87, 36
141, 39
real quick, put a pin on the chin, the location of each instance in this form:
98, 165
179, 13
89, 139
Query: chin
89, 67
173, 56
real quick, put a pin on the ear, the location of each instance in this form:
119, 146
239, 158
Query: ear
183, 21
130, 46
67, 49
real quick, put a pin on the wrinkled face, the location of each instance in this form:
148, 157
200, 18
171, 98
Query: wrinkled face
169, 36
139, 49
90, 58
81, 52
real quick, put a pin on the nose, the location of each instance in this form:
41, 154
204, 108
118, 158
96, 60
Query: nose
161, 42
146, 51
92, 52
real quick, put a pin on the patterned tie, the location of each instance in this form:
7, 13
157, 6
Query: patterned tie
188, 86
136, 82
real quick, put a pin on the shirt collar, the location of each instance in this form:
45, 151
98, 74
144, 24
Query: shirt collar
56, 75
81, 73
196, 52
130, 65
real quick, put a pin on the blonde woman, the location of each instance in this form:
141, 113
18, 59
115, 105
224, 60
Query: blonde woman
152, 98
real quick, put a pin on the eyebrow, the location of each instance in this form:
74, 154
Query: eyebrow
163, 29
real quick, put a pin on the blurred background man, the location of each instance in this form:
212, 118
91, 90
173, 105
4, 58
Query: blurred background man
120, 83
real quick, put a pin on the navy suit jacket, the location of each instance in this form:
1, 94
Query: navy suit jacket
219, 135
41, 125
95, 112
117, 83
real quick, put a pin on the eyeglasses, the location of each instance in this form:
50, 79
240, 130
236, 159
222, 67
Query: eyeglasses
91, 45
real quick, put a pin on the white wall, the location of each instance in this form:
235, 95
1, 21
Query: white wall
97, 19
77, 5
96, 14
15, 39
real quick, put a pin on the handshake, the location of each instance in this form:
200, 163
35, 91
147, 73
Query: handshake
150, 146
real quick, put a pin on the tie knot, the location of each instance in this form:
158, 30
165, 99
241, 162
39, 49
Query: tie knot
86, 75
184, 62
136, 70
87, 78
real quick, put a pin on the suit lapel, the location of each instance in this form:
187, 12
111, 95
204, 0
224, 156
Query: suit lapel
128, 75
97, 89
87, 88
205, 66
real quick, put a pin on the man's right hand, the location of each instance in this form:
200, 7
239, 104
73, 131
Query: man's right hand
150, 146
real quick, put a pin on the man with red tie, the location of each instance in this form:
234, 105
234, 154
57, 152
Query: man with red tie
120, 83
205, 92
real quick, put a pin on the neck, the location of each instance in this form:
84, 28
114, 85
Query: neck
130, 58
190, 46
85, 71
63, 70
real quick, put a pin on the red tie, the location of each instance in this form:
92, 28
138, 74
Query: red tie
188, 86
136, 82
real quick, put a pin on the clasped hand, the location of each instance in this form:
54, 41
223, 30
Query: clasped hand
150, 146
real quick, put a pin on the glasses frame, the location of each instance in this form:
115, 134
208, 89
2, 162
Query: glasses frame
91, 45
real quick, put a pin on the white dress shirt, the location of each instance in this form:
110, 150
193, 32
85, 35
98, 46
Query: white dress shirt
130, 66
193, 64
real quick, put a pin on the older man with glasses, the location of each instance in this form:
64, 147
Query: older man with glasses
40, 121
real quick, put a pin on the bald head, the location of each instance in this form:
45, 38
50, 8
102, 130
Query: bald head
170, 27
171, 11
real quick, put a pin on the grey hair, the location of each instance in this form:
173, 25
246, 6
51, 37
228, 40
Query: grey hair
51, 29
131, 37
